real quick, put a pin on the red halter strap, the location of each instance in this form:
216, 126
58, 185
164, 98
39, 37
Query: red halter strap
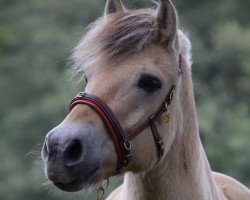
122, 144
122, 141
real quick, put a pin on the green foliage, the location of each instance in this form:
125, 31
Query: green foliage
221, 45
36, 38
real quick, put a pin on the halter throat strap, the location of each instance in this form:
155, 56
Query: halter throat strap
122, 141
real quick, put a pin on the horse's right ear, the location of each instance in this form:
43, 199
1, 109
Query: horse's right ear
113, 6
167, 23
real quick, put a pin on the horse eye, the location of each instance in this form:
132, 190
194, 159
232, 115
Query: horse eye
149, 83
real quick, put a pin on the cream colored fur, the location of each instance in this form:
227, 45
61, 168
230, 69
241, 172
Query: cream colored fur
184, 172
113, 64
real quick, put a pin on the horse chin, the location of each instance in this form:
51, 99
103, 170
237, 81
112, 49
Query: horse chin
83, 182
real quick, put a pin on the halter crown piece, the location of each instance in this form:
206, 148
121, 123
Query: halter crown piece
120, 139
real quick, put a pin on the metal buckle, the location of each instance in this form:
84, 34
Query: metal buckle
80, 94
127, 145
166, 105
101, 188
166, 115
171, 95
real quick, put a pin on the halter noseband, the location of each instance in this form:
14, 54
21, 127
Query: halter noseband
121, 140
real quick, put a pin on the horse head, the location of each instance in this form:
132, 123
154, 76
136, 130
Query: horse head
132, 61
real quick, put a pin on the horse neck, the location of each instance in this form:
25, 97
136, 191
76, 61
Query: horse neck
184, 173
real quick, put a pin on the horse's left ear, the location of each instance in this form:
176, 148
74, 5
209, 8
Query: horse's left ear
167, 23
113, 6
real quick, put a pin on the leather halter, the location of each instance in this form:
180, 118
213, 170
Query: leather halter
120, 139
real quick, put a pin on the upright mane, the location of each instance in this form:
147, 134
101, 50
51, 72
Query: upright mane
121, 34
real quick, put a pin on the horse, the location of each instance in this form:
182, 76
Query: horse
137, 115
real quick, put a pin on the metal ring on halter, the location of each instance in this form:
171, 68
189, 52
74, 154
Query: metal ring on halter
100, 193
160, 141
101, 188
128, 155
105, 183
166, 105
127, 145
171, 96
80, 94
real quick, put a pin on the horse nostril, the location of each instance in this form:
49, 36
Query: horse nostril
73, 153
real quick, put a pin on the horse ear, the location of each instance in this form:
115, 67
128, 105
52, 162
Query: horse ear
167, 23
113, 6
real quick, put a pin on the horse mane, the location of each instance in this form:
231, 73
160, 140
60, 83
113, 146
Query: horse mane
118, 35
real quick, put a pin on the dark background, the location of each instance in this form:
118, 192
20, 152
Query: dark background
36, 39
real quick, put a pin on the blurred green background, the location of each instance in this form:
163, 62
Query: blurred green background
36, 39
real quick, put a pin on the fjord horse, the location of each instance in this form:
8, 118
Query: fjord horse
137, 115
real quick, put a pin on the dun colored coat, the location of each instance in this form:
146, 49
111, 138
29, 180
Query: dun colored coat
131, 59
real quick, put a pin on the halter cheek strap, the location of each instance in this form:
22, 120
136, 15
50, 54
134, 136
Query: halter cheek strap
122, 141
152, 119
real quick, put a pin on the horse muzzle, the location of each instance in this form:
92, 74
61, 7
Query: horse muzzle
72, 155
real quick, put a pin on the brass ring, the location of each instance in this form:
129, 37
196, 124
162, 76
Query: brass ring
105, 183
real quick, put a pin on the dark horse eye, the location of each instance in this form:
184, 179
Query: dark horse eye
149, 83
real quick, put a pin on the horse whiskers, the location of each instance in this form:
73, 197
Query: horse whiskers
48, 183
49, 187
